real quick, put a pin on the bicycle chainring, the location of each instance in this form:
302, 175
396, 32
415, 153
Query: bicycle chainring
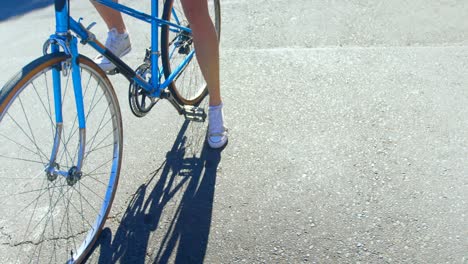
139, 100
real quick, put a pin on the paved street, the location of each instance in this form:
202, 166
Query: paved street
348, 138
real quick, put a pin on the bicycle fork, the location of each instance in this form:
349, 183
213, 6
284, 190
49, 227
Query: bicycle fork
63, 39
73, 175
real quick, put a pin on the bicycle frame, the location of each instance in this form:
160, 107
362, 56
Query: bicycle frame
64, 23
69, 43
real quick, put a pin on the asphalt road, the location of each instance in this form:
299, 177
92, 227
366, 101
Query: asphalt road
348, 138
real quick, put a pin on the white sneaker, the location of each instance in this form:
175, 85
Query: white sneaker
217, 136
119, 44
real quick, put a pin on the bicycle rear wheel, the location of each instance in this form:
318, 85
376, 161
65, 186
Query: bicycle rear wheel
189, 87
45, 219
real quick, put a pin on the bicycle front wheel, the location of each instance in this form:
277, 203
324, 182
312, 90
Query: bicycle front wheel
43, 217
189, 87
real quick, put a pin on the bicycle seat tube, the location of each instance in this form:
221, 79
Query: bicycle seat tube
155, 46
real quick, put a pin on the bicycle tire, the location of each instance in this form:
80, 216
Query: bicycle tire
189, 87
44, 220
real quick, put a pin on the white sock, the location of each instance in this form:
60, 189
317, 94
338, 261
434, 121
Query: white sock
215, 107
216, 118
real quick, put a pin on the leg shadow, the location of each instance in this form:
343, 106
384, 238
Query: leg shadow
189, 232
146, 233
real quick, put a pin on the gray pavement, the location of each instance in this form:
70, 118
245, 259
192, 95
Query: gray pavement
348, 139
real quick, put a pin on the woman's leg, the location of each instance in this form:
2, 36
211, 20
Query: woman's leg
206, 45
207, 52
111, 17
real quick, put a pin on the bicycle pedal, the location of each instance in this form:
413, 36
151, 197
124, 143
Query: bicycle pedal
194, 113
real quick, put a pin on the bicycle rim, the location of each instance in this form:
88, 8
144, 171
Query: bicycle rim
189, 87
44, 220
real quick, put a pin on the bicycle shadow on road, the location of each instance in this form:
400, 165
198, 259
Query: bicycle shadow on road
9, 9
151, 232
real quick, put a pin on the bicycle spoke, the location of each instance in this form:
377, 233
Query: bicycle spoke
96, 133
27, 183
105, 137
82, 198
83, 220
66, 224
51, 196
43, 105
32, 191
65, 149
48, 100
94, 138
84, 95
69, 226
81, 209
36, 199
48, 218
87, 201
100, 148
45, 227
92, 106
66, 89
27, 160
76, 119
90, 176
100, 166
29, 124
24, 132
30, 219
21, 145
61, 194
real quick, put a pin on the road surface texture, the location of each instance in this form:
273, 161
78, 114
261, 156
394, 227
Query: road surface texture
348, 137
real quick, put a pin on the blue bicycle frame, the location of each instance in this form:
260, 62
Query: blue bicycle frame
64, 23
69, 43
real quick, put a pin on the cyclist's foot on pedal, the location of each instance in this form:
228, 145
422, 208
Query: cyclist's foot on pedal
117, 43
217, 133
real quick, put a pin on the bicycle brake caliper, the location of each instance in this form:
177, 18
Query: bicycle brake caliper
66, 64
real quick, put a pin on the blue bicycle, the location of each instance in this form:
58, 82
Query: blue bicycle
61, 130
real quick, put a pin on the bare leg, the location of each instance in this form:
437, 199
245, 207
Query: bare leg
112, 17
206, 45
207, 51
